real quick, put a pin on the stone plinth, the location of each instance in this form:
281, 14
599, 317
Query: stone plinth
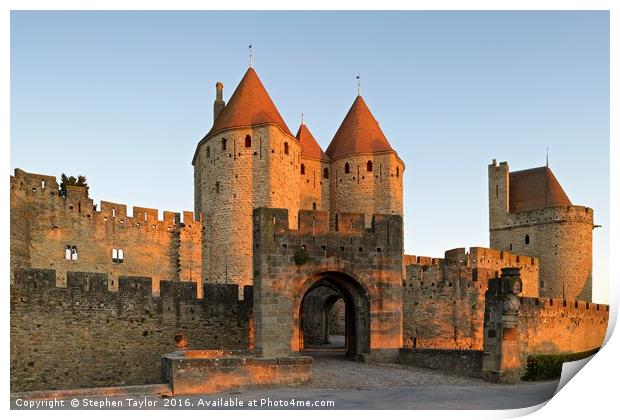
207, 371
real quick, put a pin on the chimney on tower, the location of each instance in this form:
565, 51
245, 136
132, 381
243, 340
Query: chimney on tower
218, 104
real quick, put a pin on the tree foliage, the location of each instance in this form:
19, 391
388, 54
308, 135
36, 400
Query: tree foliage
79, 181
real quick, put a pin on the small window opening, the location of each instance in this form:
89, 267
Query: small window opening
74, 253
496, 190
113, 212
511, 247
313, 206
369, 166
346, 168
217, 187
42, 183
303, 169
114, 255
208, 152
79, 207
120, 256
145, 218
527, 239
285, 148
326, 173
248, 141
397, 171
223, 144
67, 252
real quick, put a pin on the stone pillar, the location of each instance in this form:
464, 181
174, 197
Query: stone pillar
501, 361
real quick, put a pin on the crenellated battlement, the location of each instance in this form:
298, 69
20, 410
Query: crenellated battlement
557, 214
131, 289
560, 305
45, 187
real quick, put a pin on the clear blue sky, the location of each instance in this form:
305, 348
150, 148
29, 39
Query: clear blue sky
123, 98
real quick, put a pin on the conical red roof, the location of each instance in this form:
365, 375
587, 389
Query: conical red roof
309, 146
358, 133
535, 188
249, 105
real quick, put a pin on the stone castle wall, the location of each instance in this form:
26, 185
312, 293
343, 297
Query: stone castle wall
85, 335
230, 183
43, 223
359, 191
443, 306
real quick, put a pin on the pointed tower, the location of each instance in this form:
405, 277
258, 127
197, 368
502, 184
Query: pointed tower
530, 214
314, 188
366, 173
248, 159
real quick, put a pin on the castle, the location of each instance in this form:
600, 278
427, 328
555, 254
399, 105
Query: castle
285, 244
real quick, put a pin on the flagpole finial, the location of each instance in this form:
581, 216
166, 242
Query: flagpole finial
302, 118
358, 84
250, 48
547, 157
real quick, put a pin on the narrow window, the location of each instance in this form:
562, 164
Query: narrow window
80, 207
285, 148
208, 152
346, 168
223, 144
113, 212
248, 141
527, 239
511, 247
74, 253
496, 190
67, 252
120, 256
313, 206
217, 187
114, 255
369, 166
303, 169
42, 183
326, 173
145, 216
397, 171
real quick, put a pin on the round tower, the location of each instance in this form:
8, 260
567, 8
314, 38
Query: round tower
530, 214
248, 159
366, 174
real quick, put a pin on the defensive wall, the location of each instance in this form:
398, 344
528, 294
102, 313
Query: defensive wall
85, 335
443, 306
44, 223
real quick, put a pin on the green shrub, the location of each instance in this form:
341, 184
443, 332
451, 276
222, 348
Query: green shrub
301, 256
541, 367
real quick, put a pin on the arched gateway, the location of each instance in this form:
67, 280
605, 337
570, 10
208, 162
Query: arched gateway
363, 265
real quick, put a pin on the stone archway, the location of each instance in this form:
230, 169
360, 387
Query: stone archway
357, 310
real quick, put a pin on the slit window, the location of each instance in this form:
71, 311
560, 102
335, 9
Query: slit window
74, 253
42, 183
217, 187
326, 173
208, 152
347, 168
397, 171
285, 148
527, 239
369, 166
223, 144
67, 252
313, 206
248, 141
303, 169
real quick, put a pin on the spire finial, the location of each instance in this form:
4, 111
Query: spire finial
250, 48
547, 156
358, 84
302, 118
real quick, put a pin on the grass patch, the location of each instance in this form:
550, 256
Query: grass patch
542, 367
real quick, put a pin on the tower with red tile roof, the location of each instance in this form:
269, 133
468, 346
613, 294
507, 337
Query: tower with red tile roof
530, 214
248, 159
366, 172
